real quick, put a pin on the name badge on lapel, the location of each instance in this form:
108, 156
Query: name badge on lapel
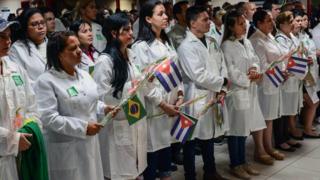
99, 37
17, 80
72, 91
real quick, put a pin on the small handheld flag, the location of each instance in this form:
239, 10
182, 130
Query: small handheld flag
275, 75
298, 66
168, 74
134, 110
183, 127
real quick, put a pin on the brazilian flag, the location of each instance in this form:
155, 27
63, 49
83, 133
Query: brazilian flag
134, 110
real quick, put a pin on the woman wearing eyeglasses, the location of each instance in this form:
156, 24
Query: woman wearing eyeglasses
30, 50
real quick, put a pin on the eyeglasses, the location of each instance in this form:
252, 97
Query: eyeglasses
36, 24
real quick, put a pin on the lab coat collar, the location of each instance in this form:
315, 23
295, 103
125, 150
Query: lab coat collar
192, 38
7, 69
266, 37
63, 75
131, 56
35, 50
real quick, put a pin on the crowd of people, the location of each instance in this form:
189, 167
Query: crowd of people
244, 70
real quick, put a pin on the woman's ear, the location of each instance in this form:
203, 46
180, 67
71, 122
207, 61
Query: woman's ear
148, 19
114, 34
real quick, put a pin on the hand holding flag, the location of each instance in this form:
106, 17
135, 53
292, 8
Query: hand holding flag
183, 127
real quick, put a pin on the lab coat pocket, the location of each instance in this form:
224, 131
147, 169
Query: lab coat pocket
291, 85
62, 156
268, 88
241, 100
122, 133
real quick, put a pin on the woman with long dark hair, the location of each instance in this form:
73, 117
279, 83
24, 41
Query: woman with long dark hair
244, 111
29, 51
87, 10
151, 45
83, 30
123, 147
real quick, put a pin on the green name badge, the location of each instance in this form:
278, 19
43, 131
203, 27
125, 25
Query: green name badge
91, 69
99, 37
17, 80
72, 91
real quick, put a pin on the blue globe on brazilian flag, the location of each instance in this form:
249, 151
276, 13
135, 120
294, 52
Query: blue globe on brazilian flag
134, 110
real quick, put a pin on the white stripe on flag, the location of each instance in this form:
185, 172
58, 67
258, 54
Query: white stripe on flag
180, 136
175, 77
167, 79
279, 75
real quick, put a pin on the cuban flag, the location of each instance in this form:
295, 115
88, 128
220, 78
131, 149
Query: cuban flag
183, 127
168, 74
298, 66
275, 75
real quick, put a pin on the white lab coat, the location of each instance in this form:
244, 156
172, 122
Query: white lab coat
177, 35
268, 51
245, 115
314, 68
203, 70
135, 28
86, 63
13, 97
59, 25
213, 32
158, 127
316, 35
123, 147
33, 63
99, 41
292, 96
71, 153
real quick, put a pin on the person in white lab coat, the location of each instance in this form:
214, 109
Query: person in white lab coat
49, 17
291, 90
87, 10
89, 56
217, 31
17, 98
151, 45
67, 99
310, 96
245, 115
268, 51
203, 72
178, 31
316, 37
123, 147
30, 50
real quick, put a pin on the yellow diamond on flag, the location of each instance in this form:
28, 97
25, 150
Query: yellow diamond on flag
134, 109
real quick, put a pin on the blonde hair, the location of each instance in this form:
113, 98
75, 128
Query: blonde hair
82, 4
283, 18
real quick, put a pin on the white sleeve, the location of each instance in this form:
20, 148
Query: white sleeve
9, 142
236, 76
32, 108
102, 74
262, 54
142, 61
50, 116
141, 50
195, 69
